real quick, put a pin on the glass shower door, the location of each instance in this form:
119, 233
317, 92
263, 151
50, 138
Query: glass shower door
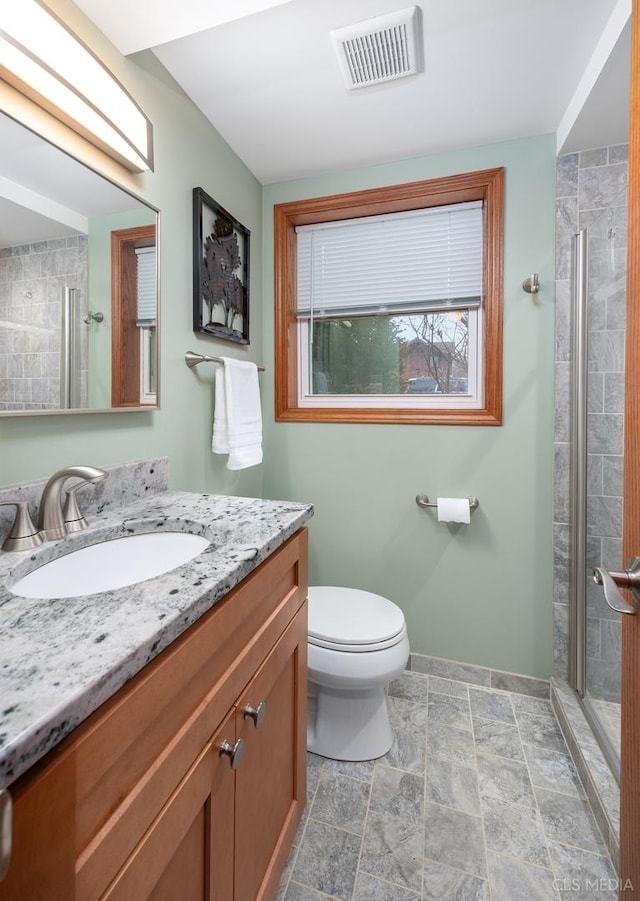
598, 431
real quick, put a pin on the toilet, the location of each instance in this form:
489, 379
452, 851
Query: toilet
357, 644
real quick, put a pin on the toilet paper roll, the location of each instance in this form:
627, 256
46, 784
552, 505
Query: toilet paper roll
454, 509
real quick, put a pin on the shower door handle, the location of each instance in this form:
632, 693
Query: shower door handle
612, 581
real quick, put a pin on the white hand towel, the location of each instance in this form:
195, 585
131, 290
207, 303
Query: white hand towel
237, 420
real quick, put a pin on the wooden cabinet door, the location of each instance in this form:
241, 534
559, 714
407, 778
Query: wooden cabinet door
271, 780
187, 853
42, 861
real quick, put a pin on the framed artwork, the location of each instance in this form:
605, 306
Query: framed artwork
220, 271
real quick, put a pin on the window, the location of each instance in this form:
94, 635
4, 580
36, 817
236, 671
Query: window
133, 316
389, 303
146, 303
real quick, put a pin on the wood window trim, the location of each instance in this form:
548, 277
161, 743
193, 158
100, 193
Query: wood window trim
486, 185
125, 340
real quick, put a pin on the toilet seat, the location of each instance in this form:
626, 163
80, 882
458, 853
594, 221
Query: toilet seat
352, 620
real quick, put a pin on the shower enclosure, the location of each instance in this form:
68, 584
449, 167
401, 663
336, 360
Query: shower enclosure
590, 333
597, 466
43, 330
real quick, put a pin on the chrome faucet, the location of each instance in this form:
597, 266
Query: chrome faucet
53, 521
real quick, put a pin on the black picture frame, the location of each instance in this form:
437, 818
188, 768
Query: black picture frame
220, 271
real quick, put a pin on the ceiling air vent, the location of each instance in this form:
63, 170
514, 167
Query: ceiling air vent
381, 49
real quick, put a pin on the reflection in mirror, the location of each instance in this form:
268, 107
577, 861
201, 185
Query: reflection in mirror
78, 293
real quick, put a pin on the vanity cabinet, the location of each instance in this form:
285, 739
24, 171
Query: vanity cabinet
189, 782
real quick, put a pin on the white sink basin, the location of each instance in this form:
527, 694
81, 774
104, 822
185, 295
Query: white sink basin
110, 564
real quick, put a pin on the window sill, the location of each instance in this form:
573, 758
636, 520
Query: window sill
408, 416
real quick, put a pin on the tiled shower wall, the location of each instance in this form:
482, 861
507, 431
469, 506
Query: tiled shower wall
592, 193
32, 277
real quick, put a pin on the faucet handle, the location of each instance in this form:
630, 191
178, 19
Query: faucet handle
74, 520
23, 535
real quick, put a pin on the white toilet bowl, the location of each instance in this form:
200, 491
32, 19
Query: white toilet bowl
357, 644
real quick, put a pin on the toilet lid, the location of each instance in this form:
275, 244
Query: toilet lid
351, 619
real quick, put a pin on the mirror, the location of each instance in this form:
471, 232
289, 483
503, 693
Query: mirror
78, 286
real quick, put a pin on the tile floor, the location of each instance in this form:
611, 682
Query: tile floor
477, 800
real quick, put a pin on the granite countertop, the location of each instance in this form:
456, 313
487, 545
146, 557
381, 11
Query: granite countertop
61, 659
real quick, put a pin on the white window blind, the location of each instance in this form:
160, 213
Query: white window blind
146, 286
394, 263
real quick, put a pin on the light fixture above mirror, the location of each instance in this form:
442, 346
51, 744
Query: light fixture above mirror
45, 61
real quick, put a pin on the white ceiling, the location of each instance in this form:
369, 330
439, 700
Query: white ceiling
265, 74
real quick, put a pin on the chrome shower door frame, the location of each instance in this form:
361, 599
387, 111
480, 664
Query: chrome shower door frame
578, 482
578, 623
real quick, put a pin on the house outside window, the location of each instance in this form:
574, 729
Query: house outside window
389, 303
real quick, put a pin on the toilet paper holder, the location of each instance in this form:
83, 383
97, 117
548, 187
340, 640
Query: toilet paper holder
422, 500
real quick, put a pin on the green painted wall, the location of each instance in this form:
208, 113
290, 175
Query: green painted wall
188, 153
479, 593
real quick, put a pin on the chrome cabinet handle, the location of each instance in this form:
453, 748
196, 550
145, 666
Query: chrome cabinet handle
233, 752
5, 832
610, 581
257, 714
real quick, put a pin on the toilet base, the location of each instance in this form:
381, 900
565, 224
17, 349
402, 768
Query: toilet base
348, 725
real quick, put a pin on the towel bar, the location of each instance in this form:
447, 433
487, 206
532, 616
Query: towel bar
192, 359
423, 501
